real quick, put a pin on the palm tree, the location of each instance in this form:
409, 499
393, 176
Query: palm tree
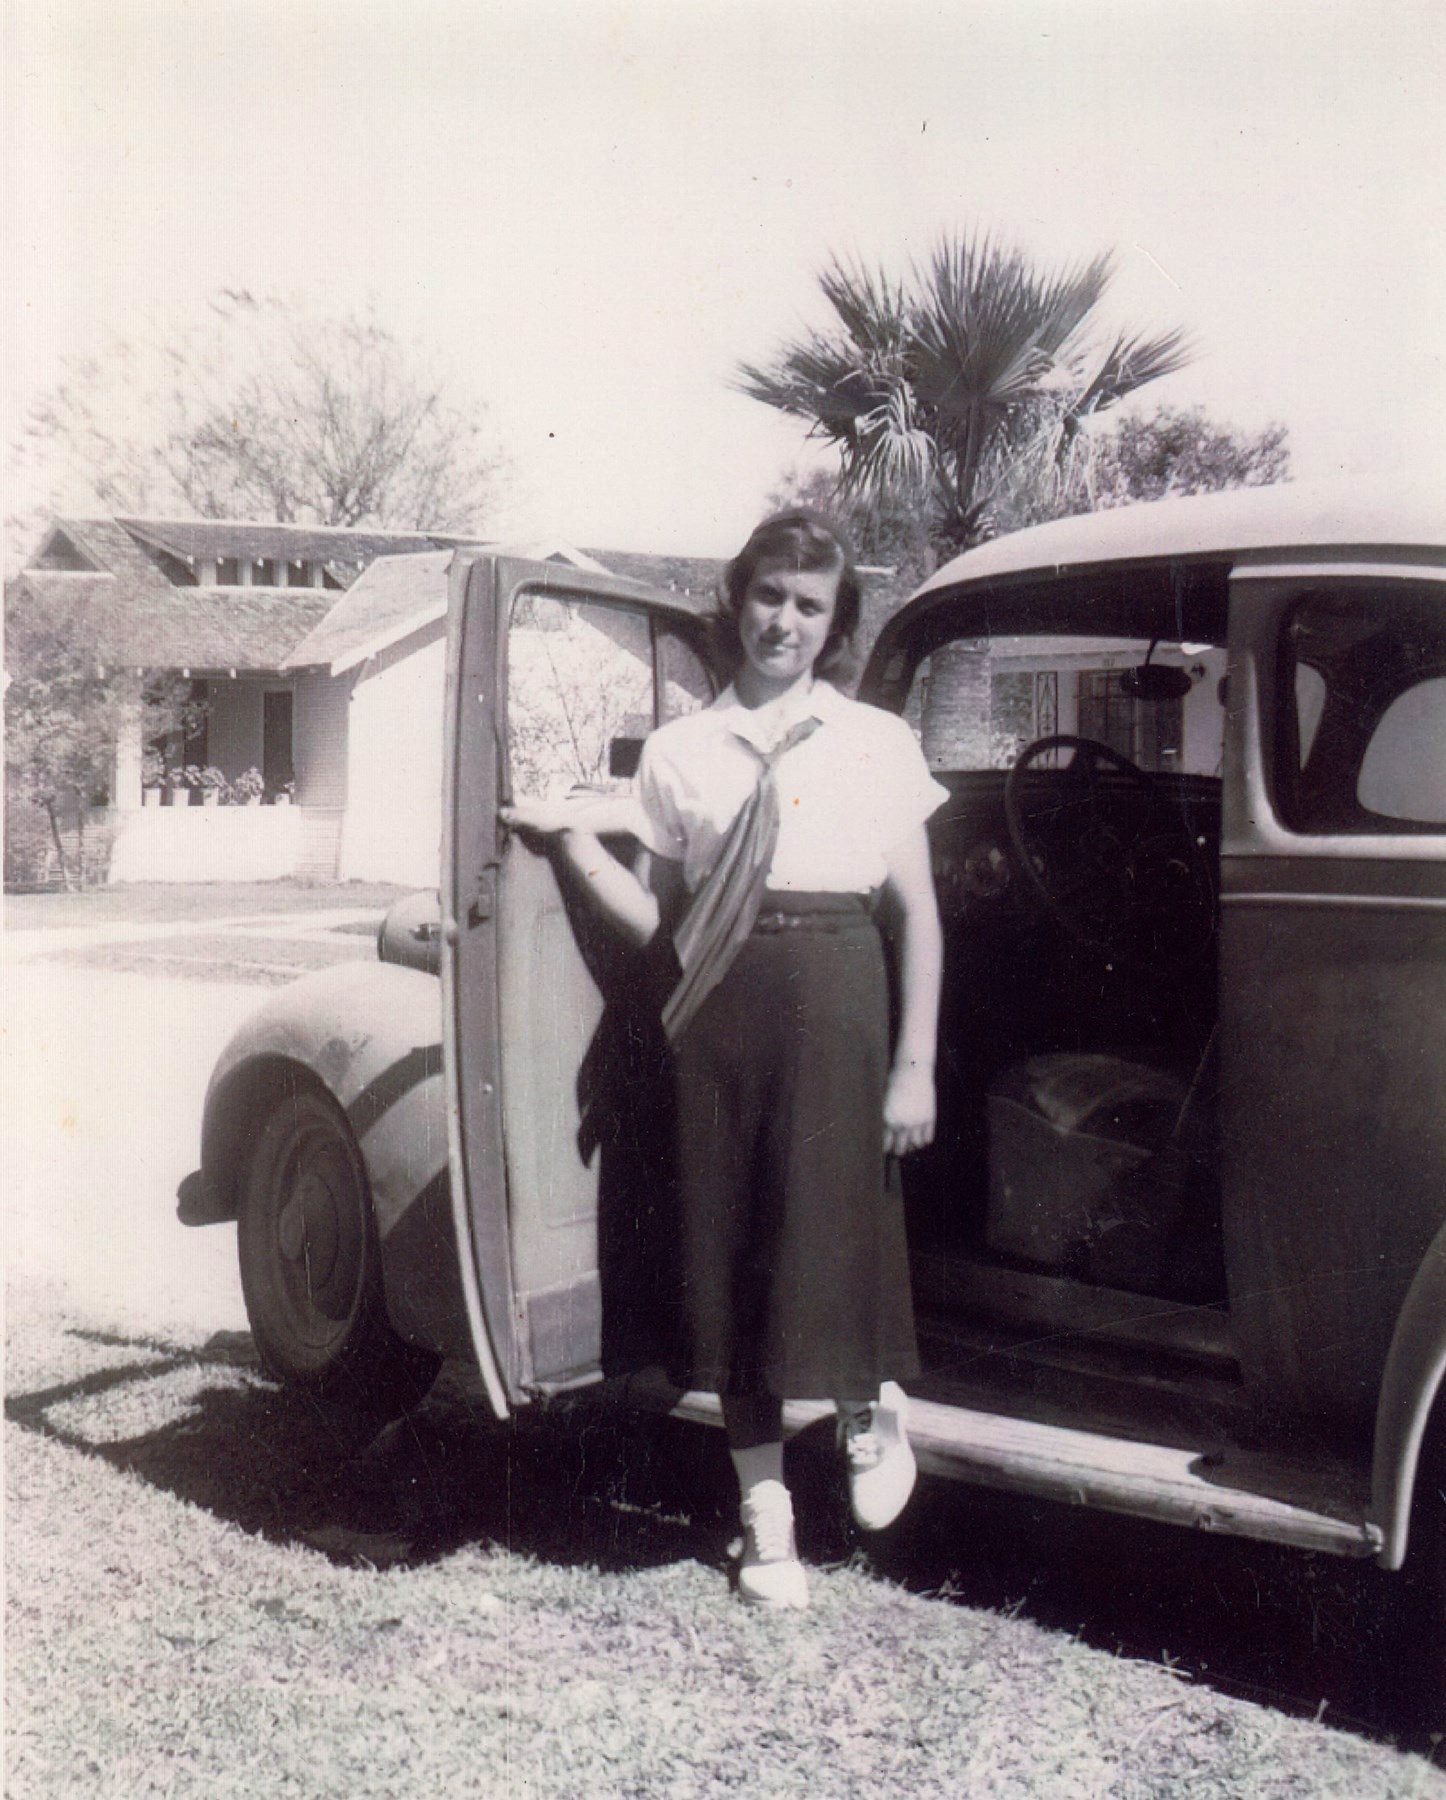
935, 387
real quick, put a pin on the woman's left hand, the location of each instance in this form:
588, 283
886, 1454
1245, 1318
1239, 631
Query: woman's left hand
909, 1107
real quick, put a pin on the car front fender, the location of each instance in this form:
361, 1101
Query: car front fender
1415, 1367
370, 1035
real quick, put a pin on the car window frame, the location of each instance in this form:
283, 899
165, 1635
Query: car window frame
1260, 714
477, 777
1313, 800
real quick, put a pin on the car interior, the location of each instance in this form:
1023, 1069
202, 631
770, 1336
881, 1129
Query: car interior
1065, 1225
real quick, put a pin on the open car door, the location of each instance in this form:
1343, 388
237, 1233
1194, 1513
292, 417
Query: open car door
555, 676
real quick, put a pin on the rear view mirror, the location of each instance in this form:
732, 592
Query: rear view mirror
1155, 682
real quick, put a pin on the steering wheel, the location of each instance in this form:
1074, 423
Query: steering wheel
1111, 855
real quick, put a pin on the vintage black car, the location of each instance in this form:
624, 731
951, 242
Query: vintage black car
1179, 1249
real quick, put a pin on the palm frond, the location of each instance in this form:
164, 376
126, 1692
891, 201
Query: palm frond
1130, 361
977, 369
989, 328
871, 308
893, 454
815, 380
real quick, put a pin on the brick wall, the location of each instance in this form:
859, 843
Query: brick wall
954, 706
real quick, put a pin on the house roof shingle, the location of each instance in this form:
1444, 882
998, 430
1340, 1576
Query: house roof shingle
192, 538
396, 595
135, 616
161, 627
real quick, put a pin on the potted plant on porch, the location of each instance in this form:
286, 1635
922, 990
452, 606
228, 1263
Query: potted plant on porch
181, 779
212, 784
247, 789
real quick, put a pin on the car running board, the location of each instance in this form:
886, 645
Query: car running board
1240, 1493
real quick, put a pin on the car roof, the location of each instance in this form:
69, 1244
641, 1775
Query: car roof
1378, 514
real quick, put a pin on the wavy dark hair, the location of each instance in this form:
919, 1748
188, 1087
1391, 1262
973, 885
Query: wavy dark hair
807, 540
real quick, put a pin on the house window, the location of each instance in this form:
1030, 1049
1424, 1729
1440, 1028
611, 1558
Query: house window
298, 574
1149, 734
228, 571
263, 572
1017, 698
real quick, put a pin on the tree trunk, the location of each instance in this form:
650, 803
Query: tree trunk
59, 846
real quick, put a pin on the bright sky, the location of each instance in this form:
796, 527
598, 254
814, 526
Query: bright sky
590, 209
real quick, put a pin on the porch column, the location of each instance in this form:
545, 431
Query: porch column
126, 772
957, 706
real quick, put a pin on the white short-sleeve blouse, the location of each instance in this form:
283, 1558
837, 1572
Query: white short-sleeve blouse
847, 795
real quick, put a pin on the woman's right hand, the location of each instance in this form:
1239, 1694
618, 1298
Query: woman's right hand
544, 817
596, 815
576, 822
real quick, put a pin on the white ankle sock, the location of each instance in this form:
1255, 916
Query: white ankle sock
857, 1413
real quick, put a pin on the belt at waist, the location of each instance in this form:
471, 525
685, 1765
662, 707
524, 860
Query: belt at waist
788, 910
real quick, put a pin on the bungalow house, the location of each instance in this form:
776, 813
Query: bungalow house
316, 658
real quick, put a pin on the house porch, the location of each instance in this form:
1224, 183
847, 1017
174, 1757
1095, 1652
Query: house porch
292, 728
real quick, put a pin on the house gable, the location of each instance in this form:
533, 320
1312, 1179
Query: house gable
61, 554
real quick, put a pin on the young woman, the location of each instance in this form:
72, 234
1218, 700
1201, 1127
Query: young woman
772, 819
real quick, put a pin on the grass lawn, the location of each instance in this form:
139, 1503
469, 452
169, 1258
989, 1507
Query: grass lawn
158, 903
215, 1590
258, 962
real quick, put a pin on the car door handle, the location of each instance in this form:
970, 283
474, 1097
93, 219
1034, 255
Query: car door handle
484, 902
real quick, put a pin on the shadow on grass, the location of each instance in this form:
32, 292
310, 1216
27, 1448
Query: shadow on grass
1313, 1636
584, 1485
570, 1484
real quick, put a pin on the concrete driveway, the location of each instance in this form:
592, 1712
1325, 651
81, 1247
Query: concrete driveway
105, 1057
104, 1077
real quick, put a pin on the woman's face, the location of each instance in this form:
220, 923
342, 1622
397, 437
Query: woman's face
784, 621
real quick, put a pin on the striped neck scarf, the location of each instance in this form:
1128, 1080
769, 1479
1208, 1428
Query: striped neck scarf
725, 908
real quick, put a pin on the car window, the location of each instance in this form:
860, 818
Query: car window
684, 682
1364, 726
1310, 693
1403, 773
976, 703
579, 685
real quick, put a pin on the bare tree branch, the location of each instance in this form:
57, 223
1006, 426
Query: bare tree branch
268, 410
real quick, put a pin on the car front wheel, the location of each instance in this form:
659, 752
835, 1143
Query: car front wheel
311, 1268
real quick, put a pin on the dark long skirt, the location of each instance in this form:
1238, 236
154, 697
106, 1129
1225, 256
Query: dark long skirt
793, 1269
